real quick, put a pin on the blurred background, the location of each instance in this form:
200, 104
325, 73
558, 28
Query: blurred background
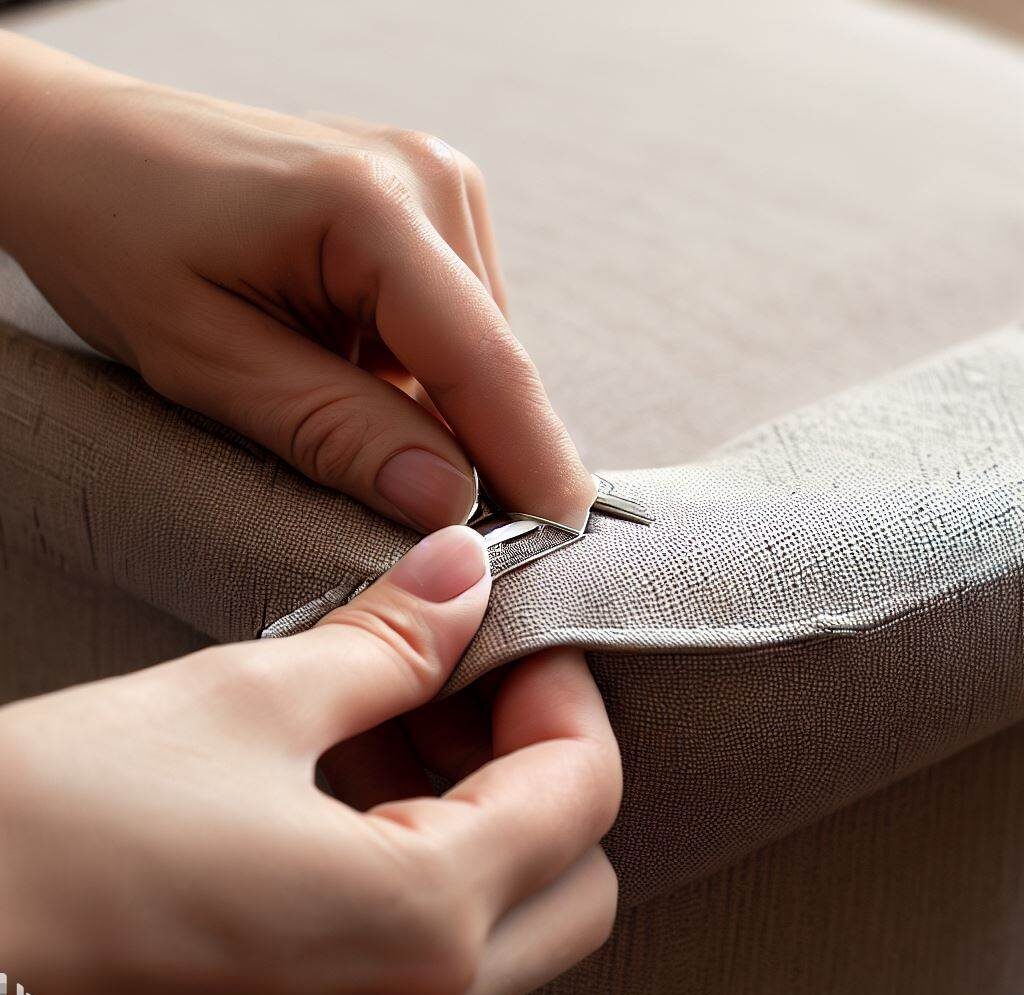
709, 212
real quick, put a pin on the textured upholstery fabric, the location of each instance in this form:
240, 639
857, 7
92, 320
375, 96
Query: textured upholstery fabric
771, 200
703, 227
917, 890
820, 608
57, 628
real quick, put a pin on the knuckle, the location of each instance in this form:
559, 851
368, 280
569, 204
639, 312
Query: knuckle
390, 189
378, 181
369, 181
328, 442
430, 155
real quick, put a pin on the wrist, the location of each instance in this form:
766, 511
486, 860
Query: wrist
37, 943
17, 956
43, 93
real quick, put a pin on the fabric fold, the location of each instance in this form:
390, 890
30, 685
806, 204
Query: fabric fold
820, 608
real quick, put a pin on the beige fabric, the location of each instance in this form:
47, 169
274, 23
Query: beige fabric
770, 213
844, 581
771, 200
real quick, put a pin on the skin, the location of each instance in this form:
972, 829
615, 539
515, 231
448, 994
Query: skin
331, 289
176, 842
283, 276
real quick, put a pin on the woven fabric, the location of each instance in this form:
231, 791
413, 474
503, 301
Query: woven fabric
820, 608
839, 572
709, 214
917, 890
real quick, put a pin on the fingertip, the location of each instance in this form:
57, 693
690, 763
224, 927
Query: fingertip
443, 566
575, 490
557, 485
581, 491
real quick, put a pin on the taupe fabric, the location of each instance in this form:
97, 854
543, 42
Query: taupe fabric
844, 581
57, 628
917, 890
710, 214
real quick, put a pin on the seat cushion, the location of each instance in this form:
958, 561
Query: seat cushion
710, 213
704, 227
818, 609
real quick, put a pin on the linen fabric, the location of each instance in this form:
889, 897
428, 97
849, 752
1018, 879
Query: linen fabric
710, 214
845, 580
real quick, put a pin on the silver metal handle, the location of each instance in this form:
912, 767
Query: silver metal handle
514, 539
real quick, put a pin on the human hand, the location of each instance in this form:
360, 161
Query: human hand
283, 276
162, 833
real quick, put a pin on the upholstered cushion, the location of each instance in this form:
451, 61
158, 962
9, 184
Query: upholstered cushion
709, 213
818, 609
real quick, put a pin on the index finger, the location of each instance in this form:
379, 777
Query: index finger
552, 791
445, 328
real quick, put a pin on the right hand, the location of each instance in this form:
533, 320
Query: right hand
161, 832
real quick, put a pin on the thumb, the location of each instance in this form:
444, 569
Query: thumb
391, 649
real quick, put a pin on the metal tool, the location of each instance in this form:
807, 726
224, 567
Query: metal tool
514, 539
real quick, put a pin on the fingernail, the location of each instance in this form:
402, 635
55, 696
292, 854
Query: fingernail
426, 489
442, 566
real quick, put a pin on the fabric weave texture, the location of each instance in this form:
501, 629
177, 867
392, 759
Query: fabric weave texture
844, 581
710, 214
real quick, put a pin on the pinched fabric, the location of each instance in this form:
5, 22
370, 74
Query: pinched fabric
820, 608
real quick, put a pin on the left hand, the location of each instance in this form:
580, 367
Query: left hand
284, 277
